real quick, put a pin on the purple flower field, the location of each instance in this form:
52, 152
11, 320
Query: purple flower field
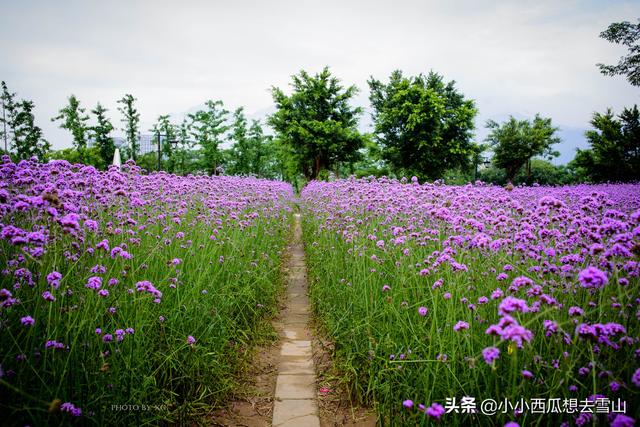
146, 292
123, 290
435, 294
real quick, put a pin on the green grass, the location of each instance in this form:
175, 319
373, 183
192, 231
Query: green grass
368, 326
224, 305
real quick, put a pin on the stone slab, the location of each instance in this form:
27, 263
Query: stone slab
295, 332
295, 366
300, 412
296, 387
296, 348
290, 318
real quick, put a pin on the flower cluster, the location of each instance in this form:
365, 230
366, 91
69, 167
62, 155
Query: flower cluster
549, 274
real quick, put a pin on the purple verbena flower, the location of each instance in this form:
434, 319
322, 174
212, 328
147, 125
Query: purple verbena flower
435, 411
461, 325
27, 321
591, 277
490, 354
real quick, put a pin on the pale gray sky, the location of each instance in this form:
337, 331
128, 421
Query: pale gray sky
511, 57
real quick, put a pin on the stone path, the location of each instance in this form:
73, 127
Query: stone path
295, 398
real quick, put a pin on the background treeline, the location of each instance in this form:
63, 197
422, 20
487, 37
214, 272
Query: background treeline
422, 125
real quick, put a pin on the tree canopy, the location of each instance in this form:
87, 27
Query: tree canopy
317, 122
423, 125
28, 140
626, 34
614, 153
131, 120
207, 128
251, 153
515, 142
100, 133
9, 113
74, 119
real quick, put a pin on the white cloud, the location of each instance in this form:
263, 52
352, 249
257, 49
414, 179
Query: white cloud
511, 57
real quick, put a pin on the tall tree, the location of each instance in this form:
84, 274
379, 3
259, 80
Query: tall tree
625, 34
9, 114
184, 148
262, 158
317, 122
614, 153
423, 125
131, 120
207, 127
74, 119
515, 142
28, 140
167, 132
250, 153
241, 149
100, 133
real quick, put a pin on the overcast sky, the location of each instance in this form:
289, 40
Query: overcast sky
511, 57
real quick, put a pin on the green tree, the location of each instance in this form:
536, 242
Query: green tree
262, 155
9, 113
131, 120
285, 164
100, 133
167, 132
515, 142
371, 161
626, 34
423, 125
184, 148
240, 153
207, 127
28, 140
74, 119
249, 154
317, 123
614, 153
477, 158
90, 156
541, 172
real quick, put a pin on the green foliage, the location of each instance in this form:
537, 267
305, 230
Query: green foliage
21, 135
224, 304
515, 142
28, 140
73, 119
251, 153
240, 153
207, 127
316, 122
100, 135
284, 164
167, 131
88, 156
423, 125
541, 172
9, 113
184, 158
131, 120
149, 161
370, 163
614, 154
626, 34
